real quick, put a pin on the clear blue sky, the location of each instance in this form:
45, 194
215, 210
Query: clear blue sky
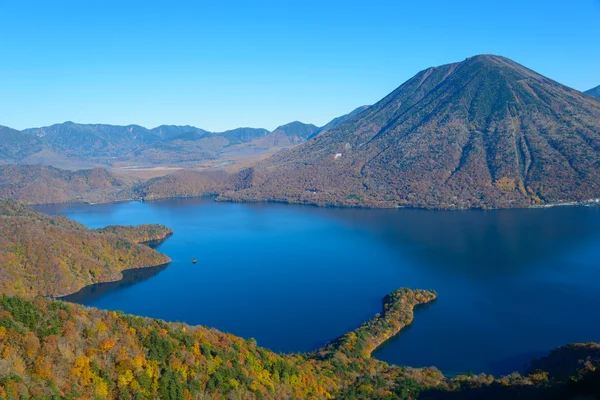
222, 64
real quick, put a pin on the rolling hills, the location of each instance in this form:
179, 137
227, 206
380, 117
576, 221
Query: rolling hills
53, 349
483, 133
34, 184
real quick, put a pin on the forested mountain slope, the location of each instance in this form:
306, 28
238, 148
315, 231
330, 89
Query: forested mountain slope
55, 256
338, 121
485, 132
34, 184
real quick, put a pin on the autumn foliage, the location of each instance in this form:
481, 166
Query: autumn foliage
145, 233
54, 256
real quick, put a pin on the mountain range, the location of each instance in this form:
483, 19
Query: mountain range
71, 145
486, 132
85, 145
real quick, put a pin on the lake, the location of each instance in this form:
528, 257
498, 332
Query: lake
512, 284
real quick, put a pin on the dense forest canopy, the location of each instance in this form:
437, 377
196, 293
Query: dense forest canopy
54, 256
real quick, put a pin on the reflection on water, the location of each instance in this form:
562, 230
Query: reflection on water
130, 277
511, 283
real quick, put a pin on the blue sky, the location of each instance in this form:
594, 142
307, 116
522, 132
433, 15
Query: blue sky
223, 64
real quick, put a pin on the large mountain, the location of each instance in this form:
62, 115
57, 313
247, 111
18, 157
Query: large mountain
594, 92
485, 132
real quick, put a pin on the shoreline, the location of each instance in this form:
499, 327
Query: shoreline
145, 267
128, 276
216, 198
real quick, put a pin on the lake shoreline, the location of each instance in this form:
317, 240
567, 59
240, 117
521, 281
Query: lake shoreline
216, 198
125, 274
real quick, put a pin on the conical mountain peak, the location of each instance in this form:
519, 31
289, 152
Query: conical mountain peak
484, 132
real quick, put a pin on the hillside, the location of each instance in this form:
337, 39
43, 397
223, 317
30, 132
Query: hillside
54, 256
483, 133
144, 234
185, 183
594, 92
34, 184
15, 145
53, 349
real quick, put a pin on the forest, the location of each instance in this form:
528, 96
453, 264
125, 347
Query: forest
53, 349
142, 234
54, 256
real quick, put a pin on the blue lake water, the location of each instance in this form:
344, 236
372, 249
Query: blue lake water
512, 284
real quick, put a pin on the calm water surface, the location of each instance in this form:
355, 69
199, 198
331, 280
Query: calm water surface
512, 284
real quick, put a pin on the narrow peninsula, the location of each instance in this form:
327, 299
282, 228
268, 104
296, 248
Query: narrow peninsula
141, 234
398, 312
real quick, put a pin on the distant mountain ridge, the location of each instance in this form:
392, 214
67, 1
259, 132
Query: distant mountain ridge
486, 133
339, 120
74, 145
594, 92
86, 145
16, 145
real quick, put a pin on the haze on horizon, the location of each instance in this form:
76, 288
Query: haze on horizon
263, 63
